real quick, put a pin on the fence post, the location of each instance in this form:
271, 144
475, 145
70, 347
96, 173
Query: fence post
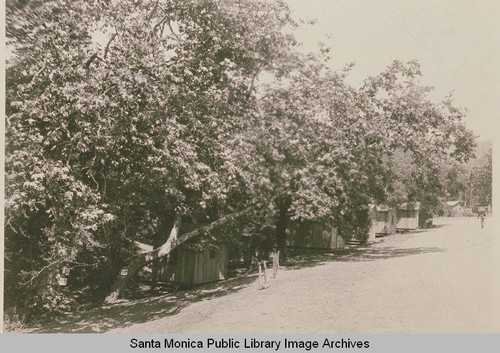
260, 276
263, 283
276, 262
265, 273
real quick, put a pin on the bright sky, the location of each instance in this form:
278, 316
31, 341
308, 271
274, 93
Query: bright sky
457, 43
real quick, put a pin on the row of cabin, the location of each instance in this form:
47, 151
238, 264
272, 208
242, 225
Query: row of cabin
408, 216
458, 208
385, 220
188, 267
313, 235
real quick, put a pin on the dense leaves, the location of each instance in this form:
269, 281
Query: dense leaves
481, 182
122, 115
126, 117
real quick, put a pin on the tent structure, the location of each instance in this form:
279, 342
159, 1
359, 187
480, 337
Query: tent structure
454, 209
189, 267
313, 235
383, 220
407, 216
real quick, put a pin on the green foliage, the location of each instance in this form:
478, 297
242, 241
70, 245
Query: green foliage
122, 115
420, 135
456, 181
482, 181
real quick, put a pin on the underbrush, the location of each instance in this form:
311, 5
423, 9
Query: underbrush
13, 323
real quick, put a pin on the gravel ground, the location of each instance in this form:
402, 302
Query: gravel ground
442, 280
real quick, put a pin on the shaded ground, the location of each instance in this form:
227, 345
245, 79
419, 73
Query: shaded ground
128, 312
437, 280
434, 281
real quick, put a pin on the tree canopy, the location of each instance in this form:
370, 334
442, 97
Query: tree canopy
127, 118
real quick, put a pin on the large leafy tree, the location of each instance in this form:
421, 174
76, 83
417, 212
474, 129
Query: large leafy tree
293, 140
329, 150
421, 135
456, 182
481, 182
121, 118
126, 118
55, 216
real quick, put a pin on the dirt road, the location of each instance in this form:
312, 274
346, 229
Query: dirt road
432, 281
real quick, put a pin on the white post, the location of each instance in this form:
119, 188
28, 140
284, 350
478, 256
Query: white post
260, 277
265, 273
263, 284
276, 262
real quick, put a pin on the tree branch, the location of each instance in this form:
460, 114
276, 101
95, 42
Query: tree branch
39, 272
106, 50
141, 260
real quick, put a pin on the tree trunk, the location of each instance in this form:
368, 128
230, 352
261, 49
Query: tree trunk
141, 260
161, 237
250, 253
281, 226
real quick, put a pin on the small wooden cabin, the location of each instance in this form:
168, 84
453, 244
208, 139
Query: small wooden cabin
313, 235
454, 209
189, 267
383, 220
407, 216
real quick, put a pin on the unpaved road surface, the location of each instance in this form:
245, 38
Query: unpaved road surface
442, 280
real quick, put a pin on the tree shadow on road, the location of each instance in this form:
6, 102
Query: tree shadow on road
311, 258
423, 230
159, 304
300, 258
128, 312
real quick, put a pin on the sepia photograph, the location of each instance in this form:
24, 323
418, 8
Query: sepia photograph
250, 167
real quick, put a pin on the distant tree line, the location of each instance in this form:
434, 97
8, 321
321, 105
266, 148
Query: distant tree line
471, 183
128, 120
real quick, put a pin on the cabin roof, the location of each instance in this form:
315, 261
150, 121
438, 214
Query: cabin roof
379, 208
411, 206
